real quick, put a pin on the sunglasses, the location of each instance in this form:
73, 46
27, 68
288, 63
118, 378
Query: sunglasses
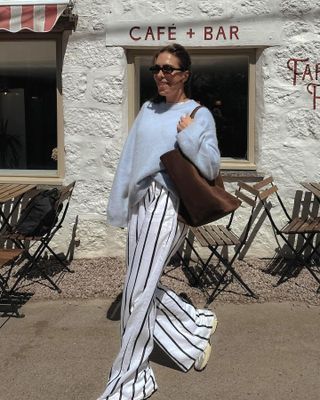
166, 69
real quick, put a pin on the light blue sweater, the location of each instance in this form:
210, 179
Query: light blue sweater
153, 133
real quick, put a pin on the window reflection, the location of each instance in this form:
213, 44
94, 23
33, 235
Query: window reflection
28, 105
221, 84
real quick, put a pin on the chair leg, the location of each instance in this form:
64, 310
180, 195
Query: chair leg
44, 244
204, 264
17, 281
6, 296
229, 268
314, 251
32, 263
298, 256
314, 248
219, 283
285, 273
44, 274
65, 266
194, 276
312, 273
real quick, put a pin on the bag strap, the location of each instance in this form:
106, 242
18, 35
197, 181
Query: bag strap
194, 111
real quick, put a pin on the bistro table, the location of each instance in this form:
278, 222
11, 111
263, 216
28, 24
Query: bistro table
11, 191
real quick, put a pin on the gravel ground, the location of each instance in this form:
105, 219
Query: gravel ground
103, 278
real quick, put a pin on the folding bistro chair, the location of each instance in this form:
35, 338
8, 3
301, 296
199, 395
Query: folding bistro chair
314, 188
304, 227
41, 243
7, 260
218, 237
15, 194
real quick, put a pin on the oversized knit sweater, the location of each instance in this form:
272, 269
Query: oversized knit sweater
153, 133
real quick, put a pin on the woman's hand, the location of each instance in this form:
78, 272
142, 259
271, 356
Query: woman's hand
184, 122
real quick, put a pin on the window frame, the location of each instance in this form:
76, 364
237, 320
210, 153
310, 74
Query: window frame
134, 85
33, 176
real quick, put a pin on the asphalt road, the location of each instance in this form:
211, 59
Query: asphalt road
62, 350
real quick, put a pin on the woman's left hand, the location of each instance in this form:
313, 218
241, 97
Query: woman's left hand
184, 122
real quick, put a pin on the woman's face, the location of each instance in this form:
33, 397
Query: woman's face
170, 85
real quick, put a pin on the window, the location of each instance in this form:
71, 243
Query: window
31, 141
223, 81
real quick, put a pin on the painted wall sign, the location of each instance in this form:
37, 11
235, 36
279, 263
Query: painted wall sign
139, 34
150, 33
307, 73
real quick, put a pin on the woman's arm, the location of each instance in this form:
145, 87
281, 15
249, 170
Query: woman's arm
198, 141
117, 211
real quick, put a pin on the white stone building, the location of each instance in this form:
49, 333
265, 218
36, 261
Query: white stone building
261, 60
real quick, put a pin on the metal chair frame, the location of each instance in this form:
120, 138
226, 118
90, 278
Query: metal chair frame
21, 241
221, 236
11, 192
307, 227
7, 260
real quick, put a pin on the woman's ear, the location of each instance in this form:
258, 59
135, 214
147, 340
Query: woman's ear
186, 76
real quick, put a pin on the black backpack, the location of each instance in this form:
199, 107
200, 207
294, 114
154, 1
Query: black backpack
39, 215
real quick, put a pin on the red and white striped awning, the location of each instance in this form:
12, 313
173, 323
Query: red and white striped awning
35, 16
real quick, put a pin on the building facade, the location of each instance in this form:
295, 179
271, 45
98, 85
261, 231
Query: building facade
256, 66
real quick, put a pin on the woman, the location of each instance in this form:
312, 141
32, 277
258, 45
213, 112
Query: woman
144, 200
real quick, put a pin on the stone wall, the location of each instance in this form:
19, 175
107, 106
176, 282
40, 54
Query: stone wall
96, 103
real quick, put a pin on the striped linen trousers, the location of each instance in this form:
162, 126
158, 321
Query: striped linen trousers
149, 310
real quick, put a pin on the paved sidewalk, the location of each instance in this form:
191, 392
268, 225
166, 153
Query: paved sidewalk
62, 350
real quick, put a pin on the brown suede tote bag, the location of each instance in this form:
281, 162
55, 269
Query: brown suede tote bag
201, 200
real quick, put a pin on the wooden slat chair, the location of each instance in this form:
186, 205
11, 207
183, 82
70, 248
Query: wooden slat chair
305, 227
42, 243
218, 237
313, 187
7, 260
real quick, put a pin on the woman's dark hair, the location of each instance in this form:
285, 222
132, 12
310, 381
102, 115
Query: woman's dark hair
184, 60
180, 52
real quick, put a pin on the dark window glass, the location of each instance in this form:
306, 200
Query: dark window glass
221, 84
28, 105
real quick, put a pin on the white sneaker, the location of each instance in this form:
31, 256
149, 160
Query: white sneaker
214, 326
203, 359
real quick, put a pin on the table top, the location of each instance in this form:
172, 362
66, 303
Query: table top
313, 187
9, 191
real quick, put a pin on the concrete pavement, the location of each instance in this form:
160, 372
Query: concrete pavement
62, 350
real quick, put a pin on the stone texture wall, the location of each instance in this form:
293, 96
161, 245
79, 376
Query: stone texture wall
96, 105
